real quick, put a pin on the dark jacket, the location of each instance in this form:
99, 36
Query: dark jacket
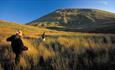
16, 43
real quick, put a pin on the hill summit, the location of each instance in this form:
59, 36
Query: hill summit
77, 20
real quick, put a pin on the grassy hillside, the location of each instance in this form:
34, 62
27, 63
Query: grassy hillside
61, 51
78, 20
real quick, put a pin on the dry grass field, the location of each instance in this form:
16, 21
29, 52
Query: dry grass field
60, 51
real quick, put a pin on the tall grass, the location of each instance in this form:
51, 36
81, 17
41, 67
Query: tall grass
60, 51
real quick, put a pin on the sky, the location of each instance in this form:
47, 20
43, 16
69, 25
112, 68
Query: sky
24, 11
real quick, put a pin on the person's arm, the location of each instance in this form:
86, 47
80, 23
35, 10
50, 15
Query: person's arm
10, 38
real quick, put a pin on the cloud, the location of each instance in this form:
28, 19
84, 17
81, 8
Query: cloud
104, 3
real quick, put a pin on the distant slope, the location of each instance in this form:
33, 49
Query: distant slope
81, 20
9, 28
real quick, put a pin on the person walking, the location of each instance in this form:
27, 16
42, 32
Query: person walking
17, 45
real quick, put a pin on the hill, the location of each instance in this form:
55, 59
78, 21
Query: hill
8, 28
78, 20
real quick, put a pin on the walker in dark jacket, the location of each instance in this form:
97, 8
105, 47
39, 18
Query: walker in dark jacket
17, 46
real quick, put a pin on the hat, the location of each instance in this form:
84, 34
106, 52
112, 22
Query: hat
19, 32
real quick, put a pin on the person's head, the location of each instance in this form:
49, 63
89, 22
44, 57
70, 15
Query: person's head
19, 32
